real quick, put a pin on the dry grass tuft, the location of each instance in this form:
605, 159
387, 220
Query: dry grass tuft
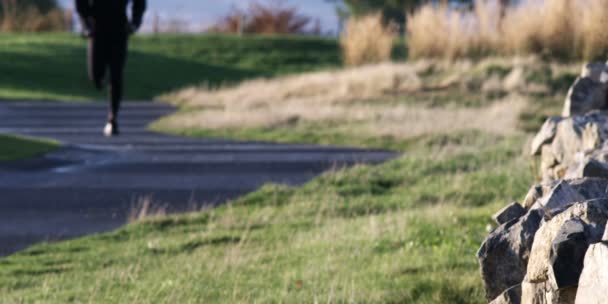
367, 40
144, 208
559, 29
357, 83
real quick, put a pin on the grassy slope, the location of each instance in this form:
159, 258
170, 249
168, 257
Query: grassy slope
52, 66
13, 148
405, 231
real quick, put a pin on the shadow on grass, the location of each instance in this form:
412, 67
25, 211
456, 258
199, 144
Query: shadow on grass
53, 66
64, 75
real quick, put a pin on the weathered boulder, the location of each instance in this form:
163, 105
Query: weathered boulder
574, 141
585, 95
545, 135
590, 188
503, 256
553, 248
509, 296
567, 253
588, 167
568, 139
545, 293
553, 268
550, 192
592, 213
512, 212
562, 195
593, 282
596, 71
534, 194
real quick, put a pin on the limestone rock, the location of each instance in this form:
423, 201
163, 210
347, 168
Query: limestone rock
596, 71
566, 143
585, 95
567, 254
593, 283
532, 292
592, 213
534, 194
594, 168
588, 168
547, 162
544, 293
503, 256
568, 140
591, 136
554, 247
512, 212
509, 296
562, 195
590, 188
545, 135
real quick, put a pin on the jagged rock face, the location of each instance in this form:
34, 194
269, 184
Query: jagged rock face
509, 296
511, 212
556, 258
567, 145
588, 91
553, 248
596, 71
567, 253
561, 195
503, 256
593, 283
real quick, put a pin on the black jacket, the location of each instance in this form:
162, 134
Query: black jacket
110, 16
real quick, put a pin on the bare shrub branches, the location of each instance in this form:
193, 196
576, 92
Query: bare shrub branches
272, 17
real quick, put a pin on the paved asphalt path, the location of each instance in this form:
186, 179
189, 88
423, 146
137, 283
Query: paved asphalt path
93, 183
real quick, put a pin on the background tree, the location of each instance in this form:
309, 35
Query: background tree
43, 6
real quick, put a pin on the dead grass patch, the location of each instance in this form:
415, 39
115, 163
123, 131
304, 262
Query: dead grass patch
395, 100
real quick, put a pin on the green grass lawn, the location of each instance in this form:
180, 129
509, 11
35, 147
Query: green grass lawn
402, 232
53, 66
13, 148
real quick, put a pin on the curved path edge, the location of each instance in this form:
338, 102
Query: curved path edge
92, 184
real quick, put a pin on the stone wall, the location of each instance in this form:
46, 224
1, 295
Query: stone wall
553, 247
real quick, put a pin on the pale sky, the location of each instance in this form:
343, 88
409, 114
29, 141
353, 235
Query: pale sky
203, 13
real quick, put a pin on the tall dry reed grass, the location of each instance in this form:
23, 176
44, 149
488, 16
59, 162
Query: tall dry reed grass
17, 18
367, 40
561, 29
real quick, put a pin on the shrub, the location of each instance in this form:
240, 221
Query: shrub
561, 29
272, 17
367, 40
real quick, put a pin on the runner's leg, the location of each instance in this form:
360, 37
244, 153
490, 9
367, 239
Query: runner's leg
117, 62
97, 61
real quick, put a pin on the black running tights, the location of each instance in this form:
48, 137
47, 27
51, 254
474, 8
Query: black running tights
108, 52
